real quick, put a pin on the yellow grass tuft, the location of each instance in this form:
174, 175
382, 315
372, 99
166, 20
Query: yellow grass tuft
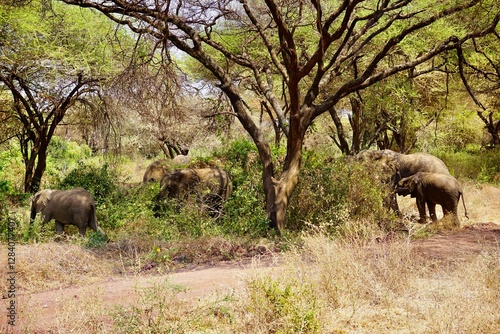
55, 265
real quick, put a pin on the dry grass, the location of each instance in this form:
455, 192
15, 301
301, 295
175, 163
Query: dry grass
56, 265
333, 286
385, 289
326, 286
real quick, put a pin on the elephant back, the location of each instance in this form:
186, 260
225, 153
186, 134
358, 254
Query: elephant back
159, 168
421, 162
216, 180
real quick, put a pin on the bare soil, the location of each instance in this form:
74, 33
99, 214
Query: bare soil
40, 311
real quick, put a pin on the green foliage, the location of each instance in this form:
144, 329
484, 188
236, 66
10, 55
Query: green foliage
62, 157
37, 231
482, 166
74, 39
245, 208
62, 151
4, 211
461, 130
96, 239
287, 306
330, 193
9, 196
130, 212
178, 218
11, 167
99, 181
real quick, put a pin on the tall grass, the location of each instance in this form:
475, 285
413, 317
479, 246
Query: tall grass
332, 286
325, 286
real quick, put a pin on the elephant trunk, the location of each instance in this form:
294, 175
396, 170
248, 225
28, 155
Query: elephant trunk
33, 215
93, 222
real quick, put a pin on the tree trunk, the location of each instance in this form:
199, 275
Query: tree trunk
355, 125
342, 142
277, 191
41, 165
283, 189
35, 164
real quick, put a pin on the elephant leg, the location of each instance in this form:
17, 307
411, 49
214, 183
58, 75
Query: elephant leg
82, 230
421, 211
432, 211
59, 227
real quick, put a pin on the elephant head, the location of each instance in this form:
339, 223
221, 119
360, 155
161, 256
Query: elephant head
210, 186
40, 201
406, 186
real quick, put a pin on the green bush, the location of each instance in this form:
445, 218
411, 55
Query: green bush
245, 208
330, 193
11, 168
287, 306
37, 231
64, 156
461, 130
481, 165
99, 181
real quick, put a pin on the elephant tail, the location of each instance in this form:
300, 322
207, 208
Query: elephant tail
463, 202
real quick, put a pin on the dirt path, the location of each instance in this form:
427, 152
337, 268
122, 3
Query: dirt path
45, 308
42, 310
51, 311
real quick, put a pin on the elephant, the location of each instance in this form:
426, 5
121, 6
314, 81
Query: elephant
210, 186
432, 189
159, 168
400, 165
75, 207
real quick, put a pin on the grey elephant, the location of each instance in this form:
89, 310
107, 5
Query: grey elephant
157, 169
431, 189
74, 207
209, 186
398, 166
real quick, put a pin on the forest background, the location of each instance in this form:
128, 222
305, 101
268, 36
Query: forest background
279, 94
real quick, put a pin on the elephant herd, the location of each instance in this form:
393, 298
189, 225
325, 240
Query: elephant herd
422, 176
209, 187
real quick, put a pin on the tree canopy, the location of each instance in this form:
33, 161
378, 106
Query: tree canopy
52, 58
301, 58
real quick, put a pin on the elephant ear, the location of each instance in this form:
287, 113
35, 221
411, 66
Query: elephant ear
46, 196
411, 184
405, 186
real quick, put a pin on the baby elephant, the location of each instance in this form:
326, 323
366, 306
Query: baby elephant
432, 189
74, 207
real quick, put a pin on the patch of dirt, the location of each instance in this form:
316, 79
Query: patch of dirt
39, 311
456, 245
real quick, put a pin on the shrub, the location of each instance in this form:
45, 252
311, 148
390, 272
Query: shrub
284, 305
482, 166
245, 208
11, 168
100, 182
330, 193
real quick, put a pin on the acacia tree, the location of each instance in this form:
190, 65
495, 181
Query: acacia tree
154, 93
51, 59
478, 65
303, 57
